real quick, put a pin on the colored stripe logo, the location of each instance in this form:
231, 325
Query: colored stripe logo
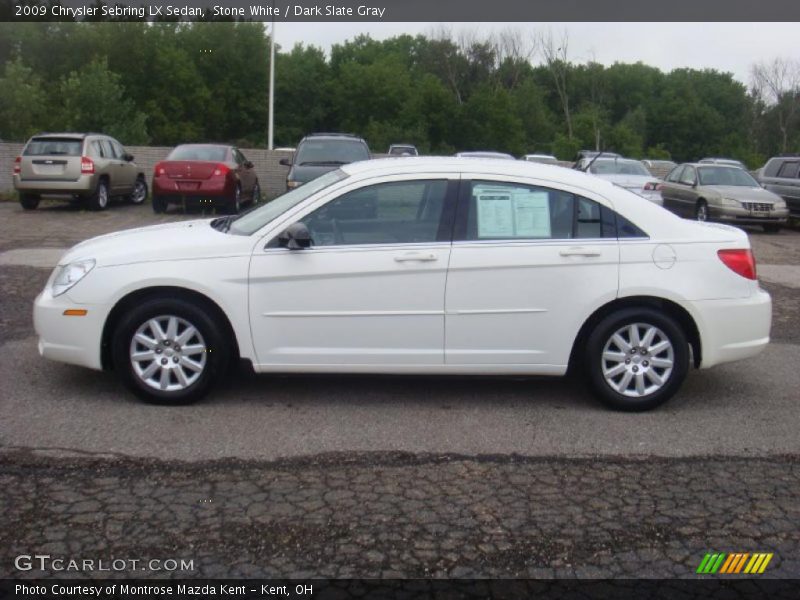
736, 563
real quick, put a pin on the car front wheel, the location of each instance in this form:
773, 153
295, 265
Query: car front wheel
169, 351
637, 358
701, 211
139, 194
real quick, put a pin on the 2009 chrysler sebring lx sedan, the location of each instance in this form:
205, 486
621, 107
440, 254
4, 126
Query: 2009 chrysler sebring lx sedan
415, 265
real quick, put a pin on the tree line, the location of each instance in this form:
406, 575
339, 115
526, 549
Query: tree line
167, 83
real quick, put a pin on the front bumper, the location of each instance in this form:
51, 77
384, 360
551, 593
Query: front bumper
732, 330
73, 340
734, 215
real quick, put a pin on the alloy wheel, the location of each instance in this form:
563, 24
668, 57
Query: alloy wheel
168, 353
637, 360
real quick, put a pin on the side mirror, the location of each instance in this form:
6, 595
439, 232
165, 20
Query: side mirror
285, 162
127, 157
295, 237
248, 164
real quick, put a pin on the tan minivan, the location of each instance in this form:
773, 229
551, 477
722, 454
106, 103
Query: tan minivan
88, 166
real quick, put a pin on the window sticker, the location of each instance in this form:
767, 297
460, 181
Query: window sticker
505, 212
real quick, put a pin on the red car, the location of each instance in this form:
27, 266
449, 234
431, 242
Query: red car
205, 174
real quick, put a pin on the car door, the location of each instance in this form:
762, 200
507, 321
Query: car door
247, 174
529, 264
114, 168
686, 192
669, 188
369, 292
127, 169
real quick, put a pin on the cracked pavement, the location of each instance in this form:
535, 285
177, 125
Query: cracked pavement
337, 476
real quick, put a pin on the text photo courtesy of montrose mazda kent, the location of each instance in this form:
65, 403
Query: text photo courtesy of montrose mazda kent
415, 266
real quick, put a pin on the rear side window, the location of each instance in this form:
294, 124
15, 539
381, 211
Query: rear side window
54, 147
675, 174
789, 169
512, 211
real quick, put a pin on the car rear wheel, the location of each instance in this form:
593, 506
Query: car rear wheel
139, 194
701, 211
159, 204
169, 351
636, 358
99, 198
29, 201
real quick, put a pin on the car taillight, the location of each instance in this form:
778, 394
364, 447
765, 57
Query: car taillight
221, 171
17, 165
87, 165
158, 170
741, 262
652, 185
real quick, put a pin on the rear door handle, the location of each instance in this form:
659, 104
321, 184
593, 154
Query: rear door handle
416, 256
579, 252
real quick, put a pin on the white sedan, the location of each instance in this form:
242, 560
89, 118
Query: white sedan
425, 265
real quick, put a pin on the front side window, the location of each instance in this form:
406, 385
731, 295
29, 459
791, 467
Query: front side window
513, 211
688, 176
789, 169
400, 212
119, 152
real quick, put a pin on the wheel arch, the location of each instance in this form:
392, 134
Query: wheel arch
673, 309
142, 294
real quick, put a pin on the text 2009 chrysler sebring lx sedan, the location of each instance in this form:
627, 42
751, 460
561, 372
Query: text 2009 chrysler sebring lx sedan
415, 265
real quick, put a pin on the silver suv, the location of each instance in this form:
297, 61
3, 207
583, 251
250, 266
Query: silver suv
87, 166
781, 175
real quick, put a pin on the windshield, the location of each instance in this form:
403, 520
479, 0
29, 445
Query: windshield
254, 220
725, 176
209, 153
54, 147
331, 151
619, 167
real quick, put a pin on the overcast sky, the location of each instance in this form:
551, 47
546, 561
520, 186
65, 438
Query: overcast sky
730, 47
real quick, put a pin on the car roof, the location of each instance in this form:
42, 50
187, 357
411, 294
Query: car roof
333, 136
67, 134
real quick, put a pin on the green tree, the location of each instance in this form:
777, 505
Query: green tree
23, 102
94, 100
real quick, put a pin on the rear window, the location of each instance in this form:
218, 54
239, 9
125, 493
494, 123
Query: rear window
331, 152
54, 147
209, 153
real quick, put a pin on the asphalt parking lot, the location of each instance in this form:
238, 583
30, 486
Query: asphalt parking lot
390, 476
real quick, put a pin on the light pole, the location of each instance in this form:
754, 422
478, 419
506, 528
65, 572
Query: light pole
271, 126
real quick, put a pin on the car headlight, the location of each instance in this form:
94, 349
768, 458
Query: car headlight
779, 204
292, 184
731, 202
67, 276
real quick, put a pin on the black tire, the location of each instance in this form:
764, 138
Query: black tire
160, 204
139, 194
217, 355
701, 210
772, 228
29, 201
255, 196
235, 204
639, 362
99, 198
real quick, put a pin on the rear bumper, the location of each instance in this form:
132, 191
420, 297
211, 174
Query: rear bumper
176, 190
732, 330
85, 184
73, 340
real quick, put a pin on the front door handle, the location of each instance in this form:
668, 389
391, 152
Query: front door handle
579, 252
416, 256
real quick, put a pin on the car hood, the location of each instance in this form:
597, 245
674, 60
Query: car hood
738, 192
183, 240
